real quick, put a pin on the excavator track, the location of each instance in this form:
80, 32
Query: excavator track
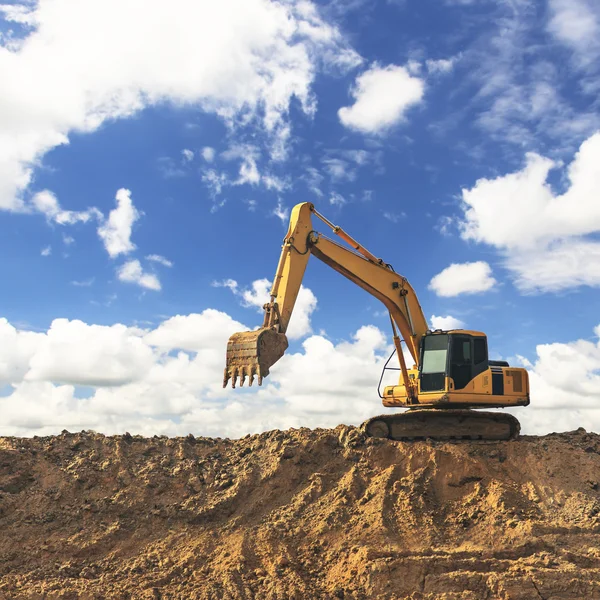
446, 424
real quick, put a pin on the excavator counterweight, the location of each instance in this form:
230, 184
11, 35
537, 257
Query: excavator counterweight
452, 373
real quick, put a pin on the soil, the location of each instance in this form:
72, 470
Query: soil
299, 514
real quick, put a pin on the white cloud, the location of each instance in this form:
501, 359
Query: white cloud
565, 387
339, 169
336, 199
16, 350
394, 217
194, 333
47, 251
343, 165
132, 272
168, 380
440, 66
84, 283
546, 248
17, 13
464, 278
217, 205
576, 23
215, 181
281, 212
115, 233
76, 353
62, 76
249, 174
272, 182
188, 155
46, 203
313, 179
517, 90
161, 260
228, 283
258, 295
248, 154
561, 265
170, 168
382, 97
446, 323
208, 154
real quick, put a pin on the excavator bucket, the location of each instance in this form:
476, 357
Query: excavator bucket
252, 353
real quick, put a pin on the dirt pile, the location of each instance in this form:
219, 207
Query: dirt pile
299, 514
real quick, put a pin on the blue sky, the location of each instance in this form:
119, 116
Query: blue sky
137, 179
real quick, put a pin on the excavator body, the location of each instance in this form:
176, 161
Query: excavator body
456, 372
452, 373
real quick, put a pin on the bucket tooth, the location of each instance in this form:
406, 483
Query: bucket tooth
251, 354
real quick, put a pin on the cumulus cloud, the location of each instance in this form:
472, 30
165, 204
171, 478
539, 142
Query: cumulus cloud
565, 386
62, 76
16, 350
188, 155
168, 380
550, 246
194, 332
115, 233
132, 272
446, 323
76, 353
382, 95
463, 278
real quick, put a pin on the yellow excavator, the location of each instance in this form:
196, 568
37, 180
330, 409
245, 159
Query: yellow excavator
451, 375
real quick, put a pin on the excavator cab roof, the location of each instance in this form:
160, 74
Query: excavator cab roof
456, 331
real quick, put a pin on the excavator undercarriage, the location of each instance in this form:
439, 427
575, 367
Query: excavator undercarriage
443, 424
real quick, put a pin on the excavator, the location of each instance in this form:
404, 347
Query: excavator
451, 375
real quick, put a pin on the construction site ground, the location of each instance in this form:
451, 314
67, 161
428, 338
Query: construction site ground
299, 514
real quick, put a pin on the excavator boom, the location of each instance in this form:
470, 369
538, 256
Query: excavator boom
255, 352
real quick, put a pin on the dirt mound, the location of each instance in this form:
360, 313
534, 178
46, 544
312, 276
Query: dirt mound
299, 514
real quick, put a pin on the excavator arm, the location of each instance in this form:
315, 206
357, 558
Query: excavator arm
251, 354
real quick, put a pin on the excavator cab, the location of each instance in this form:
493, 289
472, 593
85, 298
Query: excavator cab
460, 356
